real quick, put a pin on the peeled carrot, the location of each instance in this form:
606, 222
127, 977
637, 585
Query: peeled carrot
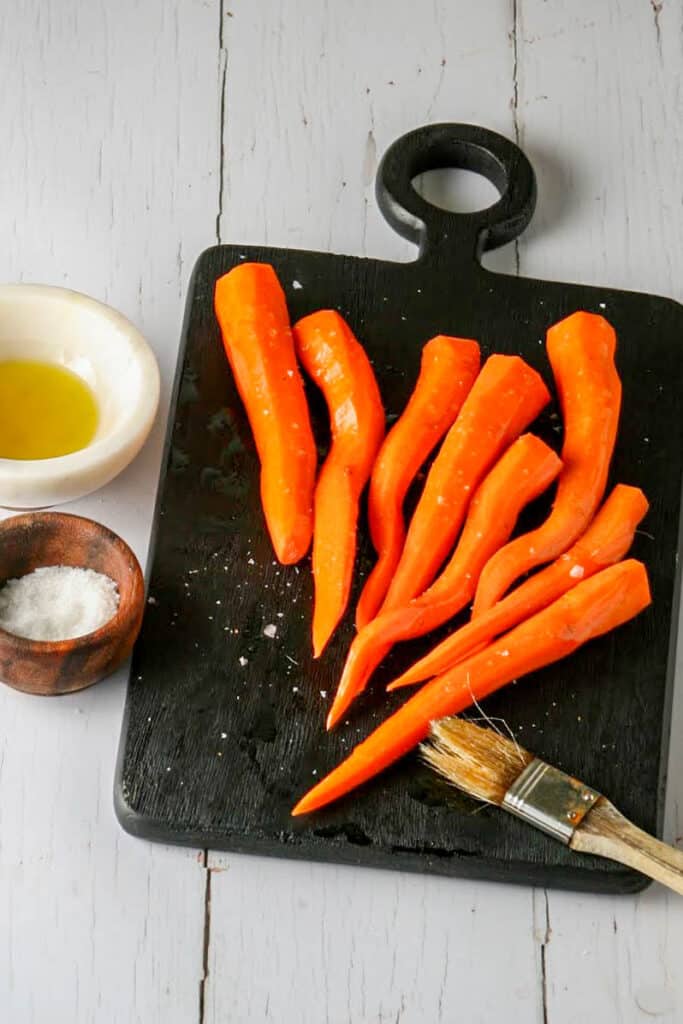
606, 541
252, 314
447, 371
520, 475
592, 608
339, 366
581, 353
506, 396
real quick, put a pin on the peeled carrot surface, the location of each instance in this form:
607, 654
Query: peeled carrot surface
448, 369
252, 314
581, 353
506, 396
336, 361
523, 472
594, 607
605, 542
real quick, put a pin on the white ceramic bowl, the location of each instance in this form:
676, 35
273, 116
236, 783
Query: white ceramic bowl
60, 326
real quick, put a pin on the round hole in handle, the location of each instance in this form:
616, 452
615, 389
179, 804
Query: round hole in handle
434, 230
456, 191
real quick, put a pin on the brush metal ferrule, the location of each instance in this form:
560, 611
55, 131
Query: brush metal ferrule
555, 802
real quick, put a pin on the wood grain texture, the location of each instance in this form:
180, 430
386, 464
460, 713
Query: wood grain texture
607, 833
598, 92
109, 186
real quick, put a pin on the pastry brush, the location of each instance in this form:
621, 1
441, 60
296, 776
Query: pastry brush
496, 770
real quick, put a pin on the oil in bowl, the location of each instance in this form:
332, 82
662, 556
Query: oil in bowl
46, 410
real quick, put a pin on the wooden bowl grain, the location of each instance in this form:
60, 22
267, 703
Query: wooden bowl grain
48, 668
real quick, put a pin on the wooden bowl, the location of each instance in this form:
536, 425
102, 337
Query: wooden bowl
48, 668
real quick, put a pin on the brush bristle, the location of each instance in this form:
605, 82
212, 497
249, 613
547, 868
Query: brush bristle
479, 761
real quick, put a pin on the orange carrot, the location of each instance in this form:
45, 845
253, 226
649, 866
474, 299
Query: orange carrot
520, 475
595, 606
581, 352
338, 364
505, 397
606, 541
252, 314
447, 372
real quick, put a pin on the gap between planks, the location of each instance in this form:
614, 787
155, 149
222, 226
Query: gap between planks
515, 33
222, 86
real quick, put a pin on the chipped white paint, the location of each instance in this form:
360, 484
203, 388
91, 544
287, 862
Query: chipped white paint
112, 181
109, 186
605, 83
345, 944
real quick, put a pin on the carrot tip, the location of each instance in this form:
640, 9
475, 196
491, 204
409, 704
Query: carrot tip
319, 646
340, 705
332, 719
320, 640
299, 809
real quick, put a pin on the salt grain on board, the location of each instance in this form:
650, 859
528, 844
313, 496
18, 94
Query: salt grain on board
270, 630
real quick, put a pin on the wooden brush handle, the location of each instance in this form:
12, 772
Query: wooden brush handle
606, 832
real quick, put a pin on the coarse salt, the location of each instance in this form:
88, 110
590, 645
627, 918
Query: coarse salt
576, 572
57, 602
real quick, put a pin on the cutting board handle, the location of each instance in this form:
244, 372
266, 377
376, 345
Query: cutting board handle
440, 234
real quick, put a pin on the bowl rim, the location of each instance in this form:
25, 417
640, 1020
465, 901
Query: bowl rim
137, 421
117, 625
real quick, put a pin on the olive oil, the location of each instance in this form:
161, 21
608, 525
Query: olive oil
45, 410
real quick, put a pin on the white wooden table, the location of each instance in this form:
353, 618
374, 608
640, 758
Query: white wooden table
137, 133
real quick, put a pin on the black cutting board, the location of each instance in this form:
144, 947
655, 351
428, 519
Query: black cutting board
223, 726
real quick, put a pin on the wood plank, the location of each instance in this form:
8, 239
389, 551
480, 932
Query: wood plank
349, 944
335, 87
604, 83
109, 182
